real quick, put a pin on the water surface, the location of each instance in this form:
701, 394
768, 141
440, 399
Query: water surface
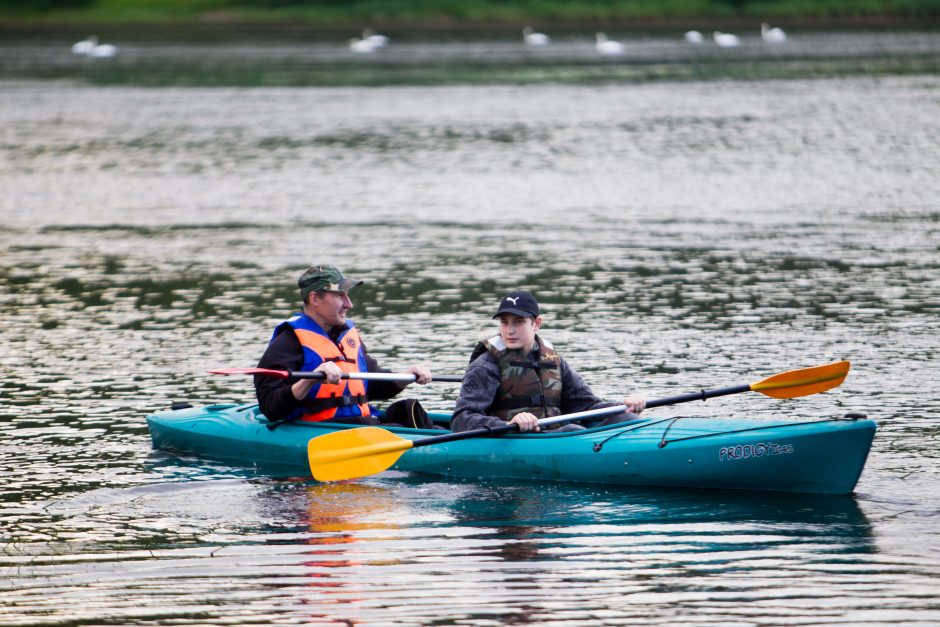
680, 236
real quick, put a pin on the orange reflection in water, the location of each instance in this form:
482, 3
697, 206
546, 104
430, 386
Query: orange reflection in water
336, 514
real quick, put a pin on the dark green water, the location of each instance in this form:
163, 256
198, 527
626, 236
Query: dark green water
680, 236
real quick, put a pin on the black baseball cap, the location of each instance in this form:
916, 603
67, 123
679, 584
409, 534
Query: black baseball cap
520, 304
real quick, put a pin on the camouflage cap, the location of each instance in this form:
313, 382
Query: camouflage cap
324, 278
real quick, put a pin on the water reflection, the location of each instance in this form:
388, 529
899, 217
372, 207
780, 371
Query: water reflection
348, 551
336, 516
524, 547
745, 287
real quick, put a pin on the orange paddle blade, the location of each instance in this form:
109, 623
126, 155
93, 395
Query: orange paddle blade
803, 382
354, 453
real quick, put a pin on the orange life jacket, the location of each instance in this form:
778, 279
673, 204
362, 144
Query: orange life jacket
348, 397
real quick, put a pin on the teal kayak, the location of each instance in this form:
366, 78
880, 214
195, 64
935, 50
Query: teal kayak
822, 456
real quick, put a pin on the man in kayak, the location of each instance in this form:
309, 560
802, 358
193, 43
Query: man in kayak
517, 377
320, 338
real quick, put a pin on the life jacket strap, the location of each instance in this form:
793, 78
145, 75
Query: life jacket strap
315, 405
342, 358
517, 402
535, 365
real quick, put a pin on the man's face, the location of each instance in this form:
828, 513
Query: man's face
331, 307
518, 332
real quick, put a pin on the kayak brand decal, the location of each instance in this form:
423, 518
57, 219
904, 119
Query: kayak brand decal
747, 451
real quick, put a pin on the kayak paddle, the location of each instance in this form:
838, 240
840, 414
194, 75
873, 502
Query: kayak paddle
364, 451
312, 374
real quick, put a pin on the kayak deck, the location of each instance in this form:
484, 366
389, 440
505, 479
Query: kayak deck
824, 456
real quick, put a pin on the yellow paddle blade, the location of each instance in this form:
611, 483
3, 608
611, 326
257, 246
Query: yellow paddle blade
803, 382
354, 453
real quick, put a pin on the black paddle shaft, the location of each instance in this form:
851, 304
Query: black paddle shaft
507, 428
463, 435
698, 396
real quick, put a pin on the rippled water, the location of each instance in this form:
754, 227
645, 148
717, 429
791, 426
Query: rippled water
680, 235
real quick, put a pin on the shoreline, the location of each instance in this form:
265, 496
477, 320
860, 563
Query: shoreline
306, 54
221, 23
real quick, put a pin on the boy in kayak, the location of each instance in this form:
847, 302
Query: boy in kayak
320, 338
517, 377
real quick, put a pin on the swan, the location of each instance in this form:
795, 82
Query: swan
379, 41
608, 46
85, 46
726, 40
91, 48
103, 51
694, 37
362, 46
772, 35
532, 38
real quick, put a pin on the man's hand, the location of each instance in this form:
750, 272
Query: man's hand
421, 372
331, 371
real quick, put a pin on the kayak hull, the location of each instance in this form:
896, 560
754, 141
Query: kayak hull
820, 457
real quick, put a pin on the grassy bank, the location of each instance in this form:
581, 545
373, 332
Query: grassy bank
430, 14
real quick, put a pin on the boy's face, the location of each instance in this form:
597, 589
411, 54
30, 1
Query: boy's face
518, 332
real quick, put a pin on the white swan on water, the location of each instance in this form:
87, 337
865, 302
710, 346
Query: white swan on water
726, 40
694, 37
369, 35
608, 46
84, 46
91, 48
103, 51
362, 46
532, 38
772, 35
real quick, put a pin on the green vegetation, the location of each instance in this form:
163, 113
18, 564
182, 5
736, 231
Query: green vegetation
451, 13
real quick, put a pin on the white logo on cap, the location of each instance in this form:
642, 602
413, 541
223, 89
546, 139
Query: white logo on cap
514, 300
